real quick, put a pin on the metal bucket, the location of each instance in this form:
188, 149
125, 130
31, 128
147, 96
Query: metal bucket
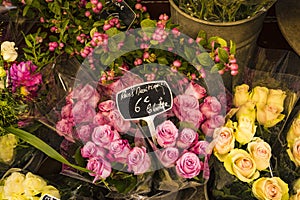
243, 32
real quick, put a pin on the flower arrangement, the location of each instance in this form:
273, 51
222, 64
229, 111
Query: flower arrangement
218, 11
247, 148
17, 185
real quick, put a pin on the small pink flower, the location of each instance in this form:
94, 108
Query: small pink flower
196, 90
119, 150
186, 138
210, 106
100, 168
166, 134
168, 156
138, 160
104, 135
188, 165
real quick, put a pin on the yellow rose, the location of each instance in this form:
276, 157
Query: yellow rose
8, 51
6, 154
294, 130
296, 188
19, 197
276, 97
260, 95
7, 144
223, 142
50, 190
33, 184
245, 130
2, 72
270, 188
9, 140
294, 151
260, 151
13, 185
247, 109
269, 115
241, 95
240, 164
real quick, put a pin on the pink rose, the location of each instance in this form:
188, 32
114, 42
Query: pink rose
188, 165
100, 168
138, 160
65, 128
168, 156
201, 148
186, 138
84, 133
90, 150
103, 135
66, 111
127, 80
210, 106
99, 119
106, 106
118, 122
83, 112
211, 124
166, 134
181, 103
89, 95
186, 108
119, 150
196, 90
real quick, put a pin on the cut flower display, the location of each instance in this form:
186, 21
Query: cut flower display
131, 108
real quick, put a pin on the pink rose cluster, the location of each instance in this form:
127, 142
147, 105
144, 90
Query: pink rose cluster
24, 76
181, 148
99, 126
199, 109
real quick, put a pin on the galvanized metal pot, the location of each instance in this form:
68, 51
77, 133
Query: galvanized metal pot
243, 32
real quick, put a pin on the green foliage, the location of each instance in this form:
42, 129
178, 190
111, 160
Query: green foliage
223, 11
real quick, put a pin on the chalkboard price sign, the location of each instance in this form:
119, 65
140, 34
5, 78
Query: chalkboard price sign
144, 100
48, 197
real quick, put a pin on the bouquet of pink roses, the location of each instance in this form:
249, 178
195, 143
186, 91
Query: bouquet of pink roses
133, 122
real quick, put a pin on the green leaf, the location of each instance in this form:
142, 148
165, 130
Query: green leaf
205, 60
55, 8
232, 47
98, 23
146, 23
162, 60
223, 55
92, 32
25, 10
28, 43
112, 31
219, 40
217, 67
42, 146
